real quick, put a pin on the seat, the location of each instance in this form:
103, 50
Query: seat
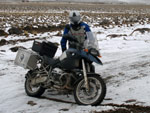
50, 61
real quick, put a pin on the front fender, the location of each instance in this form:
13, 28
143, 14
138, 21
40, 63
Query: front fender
98, 61
91, 57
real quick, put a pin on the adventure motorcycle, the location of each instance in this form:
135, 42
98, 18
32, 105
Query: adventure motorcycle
71, 72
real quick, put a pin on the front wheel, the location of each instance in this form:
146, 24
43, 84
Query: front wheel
96, 93
33, 90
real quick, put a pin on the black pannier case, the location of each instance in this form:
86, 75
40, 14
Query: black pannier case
45, 48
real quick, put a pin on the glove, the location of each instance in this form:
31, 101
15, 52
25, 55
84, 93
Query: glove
70, 37
63, 49
67, 36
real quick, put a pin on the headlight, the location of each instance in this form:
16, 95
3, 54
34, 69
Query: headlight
94, 52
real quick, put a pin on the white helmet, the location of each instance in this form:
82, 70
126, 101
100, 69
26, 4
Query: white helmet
74, 17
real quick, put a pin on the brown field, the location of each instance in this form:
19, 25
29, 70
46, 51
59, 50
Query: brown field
42, 17
39, 17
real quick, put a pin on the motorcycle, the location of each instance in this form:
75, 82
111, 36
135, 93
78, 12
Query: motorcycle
71, 72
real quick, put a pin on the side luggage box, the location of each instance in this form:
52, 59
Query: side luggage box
45, 48
26, 59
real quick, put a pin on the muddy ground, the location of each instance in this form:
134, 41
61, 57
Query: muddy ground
117, 108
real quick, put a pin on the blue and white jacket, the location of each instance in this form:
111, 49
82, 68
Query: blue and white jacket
89, 36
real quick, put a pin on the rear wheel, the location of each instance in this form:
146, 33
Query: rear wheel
33, 90
96, 93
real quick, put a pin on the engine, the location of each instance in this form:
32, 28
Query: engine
57, 72
61, 78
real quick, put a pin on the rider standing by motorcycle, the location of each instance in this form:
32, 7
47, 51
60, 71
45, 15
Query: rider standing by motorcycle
79, 30
70, 72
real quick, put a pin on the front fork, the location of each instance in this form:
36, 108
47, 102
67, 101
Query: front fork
85, 75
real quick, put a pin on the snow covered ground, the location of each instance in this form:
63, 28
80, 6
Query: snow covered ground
126, 72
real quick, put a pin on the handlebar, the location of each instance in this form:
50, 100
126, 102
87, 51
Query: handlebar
92, 51
70, 38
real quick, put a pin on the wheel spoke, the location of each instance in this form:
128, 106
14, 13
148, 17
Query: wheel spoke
32, 88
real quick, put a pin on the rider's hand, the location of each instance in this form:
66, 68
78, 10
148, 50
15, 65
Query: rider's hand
66, 36
63, 49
